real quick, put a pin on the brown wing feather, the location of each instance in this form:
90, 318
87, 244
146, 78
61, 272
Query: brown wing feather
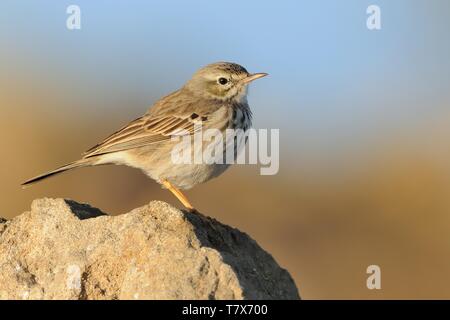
172, 115
144, 131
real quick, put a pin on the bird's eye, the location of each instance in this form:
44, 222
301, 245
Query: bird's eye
223, 81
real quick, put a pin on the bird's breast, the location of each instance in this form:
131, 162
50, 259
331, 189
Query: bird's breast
240, 117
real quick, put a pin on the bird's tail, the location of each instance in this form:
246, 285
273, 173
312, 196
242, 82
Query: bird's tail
73, 165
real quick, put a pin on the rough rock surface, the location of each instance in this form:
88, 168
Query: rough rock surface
65, 250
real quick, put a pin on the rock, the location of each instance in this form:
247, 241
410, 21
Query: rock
2, 224
65, 250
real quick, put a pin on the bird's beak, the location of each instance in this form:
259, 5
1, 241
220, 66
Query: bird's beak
254, 76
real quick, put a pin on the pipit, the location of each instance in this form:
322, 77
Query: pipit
215, 98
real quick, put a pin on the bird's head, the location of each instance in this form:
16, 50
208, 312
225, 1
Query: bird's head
222, 81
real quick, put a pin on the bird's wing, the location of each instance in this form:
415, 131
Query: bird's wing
146, 131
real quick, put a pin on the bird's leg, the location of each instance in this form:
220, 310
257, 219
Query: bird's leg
177, 193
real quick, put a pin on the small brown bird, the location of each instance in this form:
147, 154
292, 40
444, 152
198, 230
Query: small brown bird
215, 98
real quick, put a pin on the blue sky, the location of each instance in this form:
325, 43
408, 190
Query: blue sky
330, 77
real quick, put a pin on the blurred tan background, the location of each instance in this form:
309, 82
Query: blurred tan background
364, 122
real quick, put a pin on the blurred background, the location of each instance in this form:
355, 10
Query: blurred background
363, 116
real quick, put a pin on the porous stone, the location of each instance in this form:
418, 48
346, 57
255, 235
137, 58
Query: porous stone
65, 250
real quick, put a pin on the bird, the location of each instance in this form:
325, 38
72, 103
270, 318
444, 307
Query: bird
214, 98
